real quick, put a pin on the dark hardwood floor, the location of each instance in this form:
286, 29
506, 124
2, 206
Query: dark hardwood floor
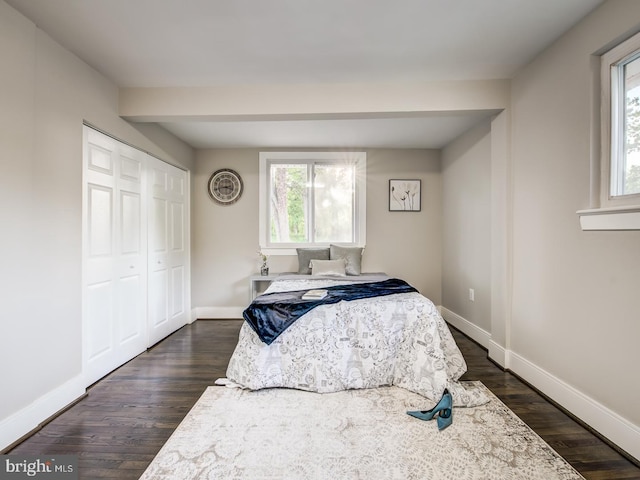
117, 429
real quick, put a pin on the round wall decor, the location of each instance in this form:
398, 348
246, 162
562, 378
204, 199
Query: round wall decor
225, 186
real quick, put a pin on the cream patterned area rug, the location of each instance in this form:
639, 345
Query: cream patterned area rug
233, 433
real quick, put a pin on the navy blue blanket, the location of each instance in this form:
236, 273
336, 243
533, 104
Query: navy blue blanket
271, 314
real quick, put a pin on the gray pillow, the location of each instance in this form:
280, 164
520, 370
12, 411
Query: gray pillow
351, 255
305, 255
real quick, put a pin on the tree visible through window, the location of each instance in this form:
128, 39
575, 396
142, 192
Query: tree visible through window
312, 202
630, 169
312, 198
288, 212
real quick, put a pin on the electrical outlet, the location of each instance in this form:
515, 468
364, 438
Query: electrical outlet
472, 294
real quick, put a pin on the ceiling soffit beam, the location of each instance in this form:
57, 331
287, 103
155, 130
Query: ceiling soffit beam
290, 102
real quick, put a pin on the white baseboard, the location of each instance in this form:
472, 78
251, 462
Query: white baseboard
217, 312
499, 354
30, 417
465, 326
617, 429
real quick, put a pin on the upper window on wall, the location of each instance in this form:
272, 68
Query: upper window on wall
620, 79
311, 199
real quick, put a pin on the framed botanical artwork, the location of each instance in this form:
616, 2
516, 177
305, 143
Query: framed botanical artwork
404, 195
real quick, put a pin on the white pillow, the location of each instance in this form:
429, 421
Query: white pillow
328, 267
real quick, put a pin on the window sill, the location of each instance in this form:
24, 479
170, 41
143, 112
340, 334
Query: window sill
617, 218
276, 251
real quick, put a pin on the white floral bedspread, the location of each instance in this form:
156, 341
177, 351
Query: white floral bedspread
398, 339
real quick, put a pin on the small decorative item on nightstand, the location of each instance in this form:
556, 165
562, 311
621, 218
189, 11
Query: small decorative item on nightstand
264, 268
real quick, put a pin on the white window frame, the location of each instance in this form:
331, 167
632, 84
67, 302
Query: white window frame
360, 214
612, 112
612, 212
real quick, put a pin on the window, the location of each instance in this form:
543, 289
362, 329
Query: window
311, 199
620, 77
617, 206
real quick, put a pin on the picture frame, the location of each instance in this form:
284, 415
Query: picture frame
405, 195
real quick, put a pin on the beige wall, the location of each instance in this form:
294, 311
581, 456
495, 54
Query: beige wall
46, 93
405, 244
565, 308
466, 233
226, 237
576, 308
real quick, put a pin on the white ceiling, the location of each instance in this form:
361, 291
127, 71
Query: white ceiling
428, 131
189, 43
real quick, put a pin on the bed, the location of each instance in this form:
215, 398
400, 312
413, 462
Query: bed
395, 339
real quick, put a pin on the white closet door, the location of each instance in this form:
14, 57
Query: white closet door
115, 255
169, 271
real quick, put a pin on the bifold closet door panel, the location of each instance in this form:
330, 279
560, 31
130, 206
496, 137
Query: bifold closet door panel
168, 249
114, 256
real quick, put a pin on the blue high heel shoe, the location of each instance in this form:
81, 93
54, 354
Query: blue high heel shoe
443, 410
445, 418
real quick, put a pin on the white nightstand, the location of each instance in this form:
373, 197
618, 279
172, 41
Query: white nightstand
256, 280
